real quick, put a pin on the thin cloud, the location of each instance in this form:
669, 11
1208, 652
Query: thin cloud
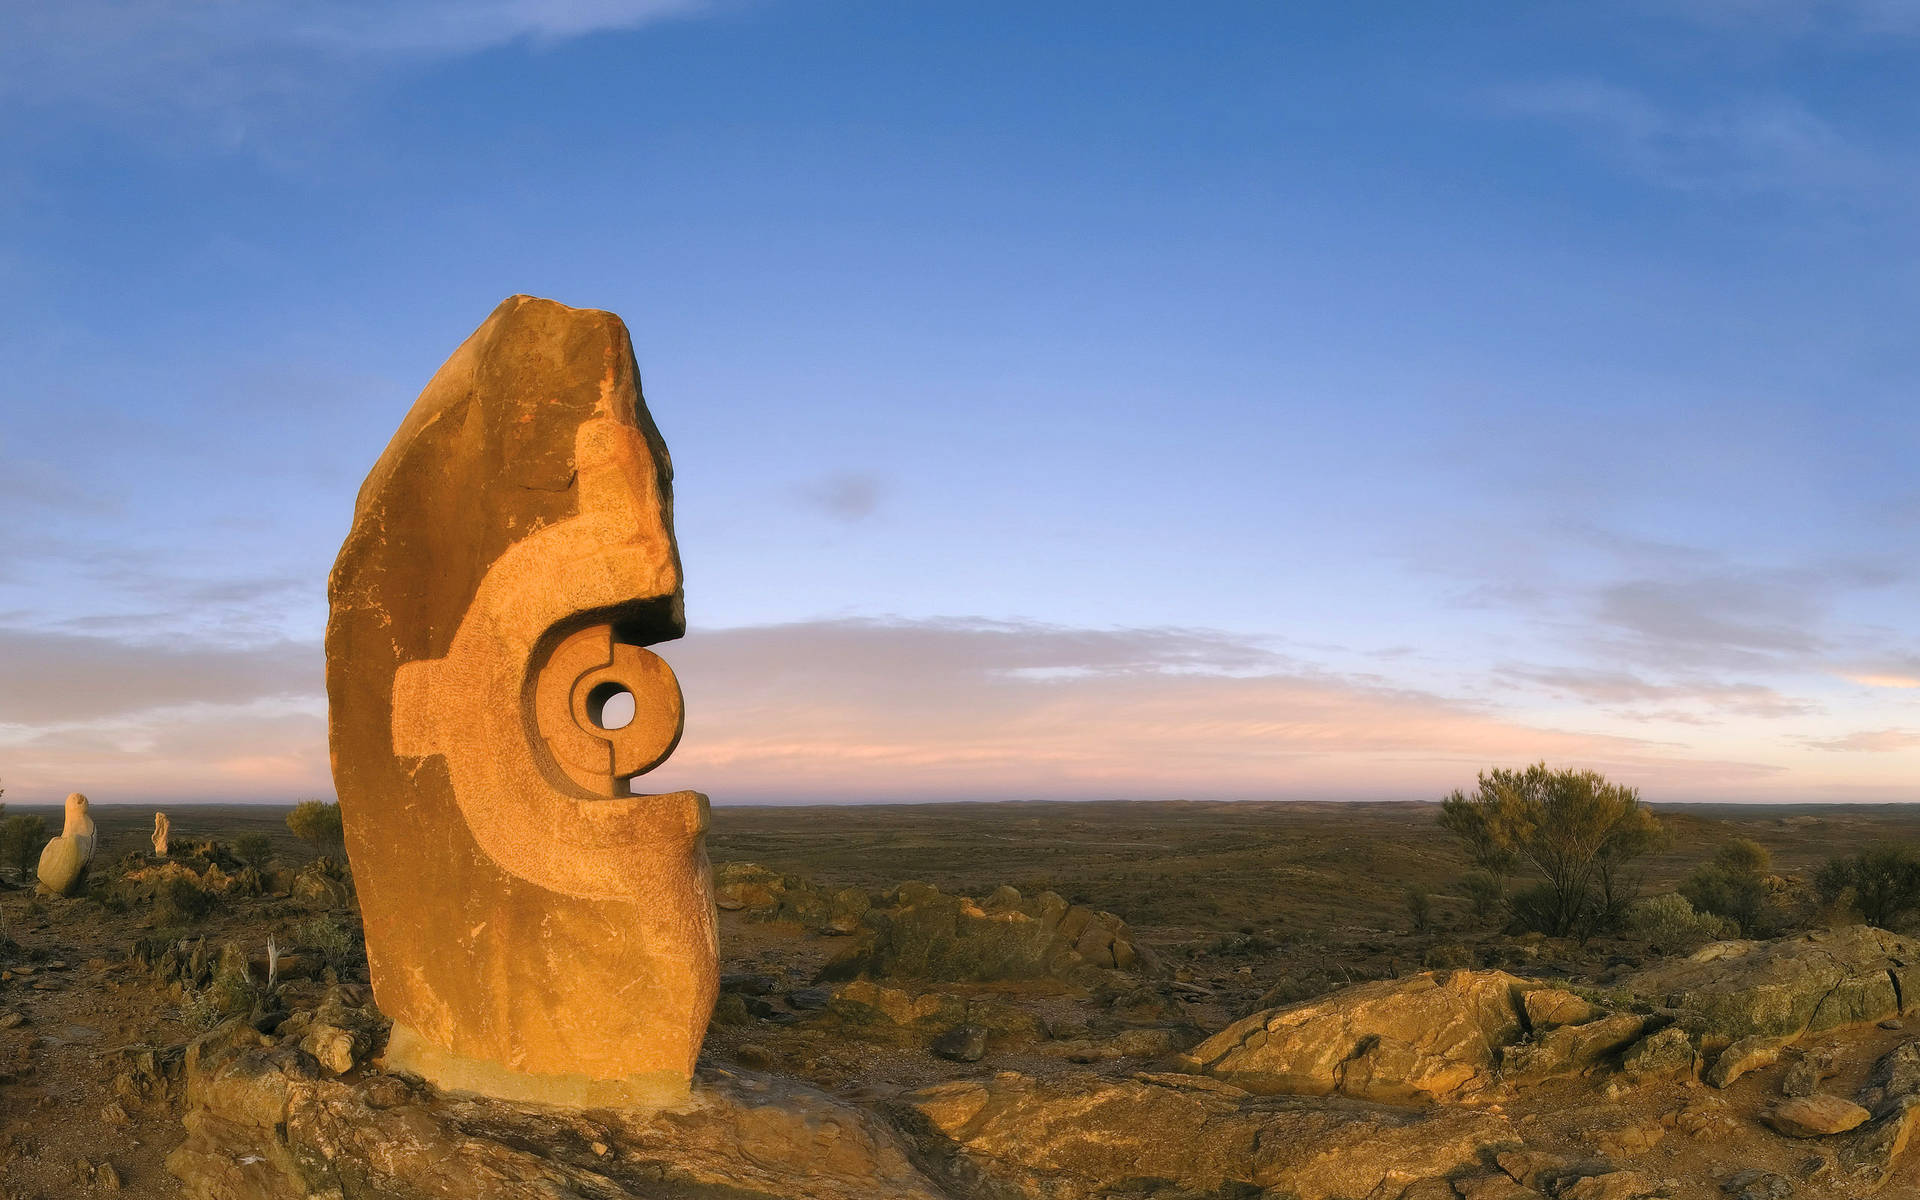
1622, 688
844, 495
1874, 741
213, 55
53, 677
1746, 144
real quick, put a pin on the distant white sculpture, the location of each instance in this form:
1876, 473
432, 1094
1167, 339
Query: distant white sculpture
64, 862
161, 826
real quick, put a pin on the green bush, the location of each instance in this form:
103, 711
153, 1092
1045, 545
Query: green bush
317, 822
181, 901
1669, 924
1420, 909
1734, 885
254, 849
1572, 828
22, 837
1882, 884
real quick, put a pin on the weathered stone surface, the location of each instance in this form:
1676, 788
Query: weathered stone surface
962, 1043
532, 928
1748, 1054
161, 827
1815, 1116
264, 1124
1668, 1052
1550, 1008
63, 861
897, 1015
1896, 1074
1872, 1153
929, 935
1756, 1184
1427, 1036
1081, 1136
1571, 1048
1787, 987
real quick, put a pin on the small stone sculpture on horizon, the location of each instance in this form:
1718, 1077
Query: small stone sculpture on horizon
161, 826
535, 930
63, 863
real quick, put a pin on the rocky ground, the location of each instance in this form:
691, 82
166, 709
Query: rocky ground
967, 1002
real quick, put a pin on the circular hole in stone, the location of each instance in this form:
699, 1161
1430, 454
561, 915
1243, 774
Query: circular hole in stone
610, 706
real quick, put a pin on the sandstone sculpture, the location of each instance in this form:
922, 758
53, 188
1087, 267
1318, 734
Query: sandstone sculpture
63, 863
535, 931
161, 827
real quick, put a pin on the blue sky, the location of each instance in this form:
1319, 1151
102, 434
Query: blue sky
1066, 399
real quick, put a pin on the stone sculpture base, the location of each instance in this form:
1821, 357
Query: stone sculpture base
412, 1054
264, 1122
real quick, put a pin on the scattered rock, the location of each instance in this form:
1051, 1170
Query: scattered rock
809, 999
1748, 1054
1815, 1116
930, 935
1806, 1073
1666, 1053
962, 1043
1873, 1152
1755, 1184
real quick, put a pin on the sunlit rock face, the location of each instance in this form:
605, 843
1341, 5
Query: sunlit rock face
535, 930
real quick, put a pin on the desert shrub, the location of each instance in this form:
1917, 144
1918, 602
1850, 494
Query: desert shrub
22, 837
254, 849
317, 822
181, 901
1420, 909
330, 938
1486, 896
1572, 827
1734, 885
1669, 924
1882, 884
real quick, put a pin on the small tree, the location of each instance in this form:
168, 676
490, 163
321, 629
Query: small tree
22, 837
254, 849
1573, 827
317, 822
1420, 909
1882, 883
1734, 886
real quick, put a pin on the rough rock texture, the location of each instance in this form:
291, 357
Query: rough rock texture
265, 1122
63, 861
532, 928
1748, 1054
1815, 1116
1788, 987
898, 1015
1082, 1136
929, 935
1572, 1048
1429, 1036
161, 827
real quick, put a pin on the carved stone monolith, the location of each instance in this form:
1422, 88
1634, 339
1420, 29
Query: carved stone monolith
535, 930
63, 861
161, 827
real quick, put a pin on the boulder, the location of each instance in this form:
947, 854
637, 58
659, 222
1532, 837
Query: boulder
63, 861
1787, 987
1430, 1036
1815, 1116
1895, 1075
1077, 1137
264, 1125
1550, 1008
1748, 1054
1872, 1153
161, 828
1668, 1052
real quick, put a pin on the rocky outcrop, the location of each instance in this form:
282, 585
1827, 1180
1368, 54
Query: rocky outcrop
1431, 1036
1077, 1137
266, 1121
926, 934
898, 1015
1788, 987
1815, 1116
